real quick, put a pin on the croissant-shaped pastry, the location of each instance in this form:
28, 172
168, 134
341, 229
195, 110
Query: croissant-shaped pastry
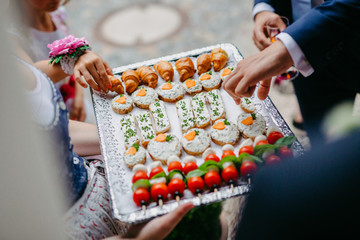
203, 63
148, 76
131, 80
165, 70
219, 58
185, 67
116, 85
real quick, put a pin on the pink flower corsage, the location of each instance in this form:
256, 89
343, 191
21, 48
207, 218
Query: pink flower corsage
66, 51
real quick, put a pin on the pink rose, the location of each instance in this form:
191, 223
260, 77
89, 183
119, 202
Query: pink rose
66, 45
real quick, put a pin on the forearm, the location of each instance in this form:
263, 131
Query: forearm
79, 92
53, 71
85, 138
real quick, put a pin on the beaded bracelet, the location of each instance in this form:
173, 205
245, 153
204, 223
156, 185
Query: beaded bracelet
66, 51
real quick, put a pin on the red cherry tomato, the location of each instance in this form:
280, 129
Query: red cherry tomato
139, 175
227, 153
274, 136
195, 184
212, 179
248, 167
189, 166
155, 171
229, 173
141, 196
159, 190
212, 156
176, 185
285, 152
175, 165
272, 159
262, 142
247, 149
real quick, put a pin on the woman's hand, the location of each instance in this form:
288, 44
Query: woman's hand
159, 227
94, 70
260, 36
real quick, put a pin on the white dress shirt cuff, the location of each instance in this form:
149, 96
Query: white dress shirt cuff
297, 55
261, 7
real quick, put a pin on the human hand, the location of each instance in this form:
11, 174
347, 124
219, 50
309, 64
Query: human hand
159, 227
77, 110
260, 67
260, 35
94, 70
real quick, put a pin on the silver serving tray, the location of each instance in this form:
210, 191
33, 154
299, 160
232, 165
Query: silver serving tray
112, 145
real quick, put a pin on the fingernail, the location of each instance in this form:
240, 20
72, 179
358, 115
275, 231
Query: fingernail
109, 86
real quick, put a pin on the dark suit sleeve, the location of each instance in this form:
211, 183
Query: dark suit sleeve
314, 194
270, 2
327, 32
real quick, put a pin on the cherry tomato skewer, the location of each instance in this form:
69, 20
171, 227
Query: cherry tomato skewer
141, 197
159, 192
212, 180
196, 185
155, 171
189, 166
176, 188
139, 175
175, 165
212, 156
230, 176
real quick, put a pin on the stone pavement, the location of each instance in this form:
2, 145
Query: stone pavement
129, 31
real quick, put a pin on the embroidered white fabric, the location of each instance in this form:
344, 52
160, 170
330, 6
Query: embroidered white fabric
68, 63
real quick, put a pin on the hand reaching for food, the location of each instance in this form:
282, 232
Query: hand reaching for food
94, 70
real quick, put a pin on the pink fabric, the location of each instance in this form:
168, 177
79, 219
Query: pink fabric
91, 215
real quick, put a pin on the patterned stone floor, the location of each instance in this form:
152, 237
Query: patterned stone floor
129, 31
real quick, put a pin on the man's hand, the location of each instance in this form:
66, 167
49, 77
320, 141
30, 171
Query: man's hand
94, 70
260, 67
260, 36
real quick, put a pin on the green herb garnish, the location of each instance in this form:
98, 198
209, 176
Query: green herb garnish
226, 122
210, 72
196, 132
247, 101
136, 146
169, 138
253, 115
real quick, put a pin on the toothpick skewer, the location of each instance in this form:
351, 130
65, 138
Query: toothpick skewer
161, 203
144, 208
177, 198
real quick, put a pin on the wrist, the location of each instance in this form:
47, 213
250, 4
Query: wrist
66, 51
277, 57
